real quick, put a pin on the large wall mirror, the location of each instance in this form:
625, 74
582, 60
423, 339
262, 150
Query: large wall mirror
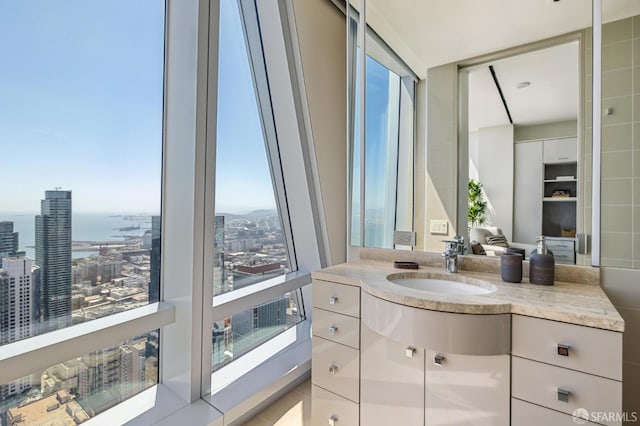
502, 99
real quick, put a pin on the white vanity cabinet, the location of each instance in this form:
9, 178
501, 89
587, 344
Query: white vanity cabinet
335, 368
379, 363
565, 367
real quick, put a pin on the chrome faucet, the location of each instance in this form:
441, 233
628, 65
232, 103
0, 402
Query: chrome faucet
453, 248
450, 260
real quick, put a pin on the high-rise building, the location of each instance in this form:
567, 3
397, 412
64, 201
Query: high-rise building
154, 284
218, 241
18, 283
8, 241
218, 255
53, 256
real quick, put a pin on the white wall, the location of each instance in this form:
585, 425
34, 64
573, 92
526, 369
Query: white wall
322, 42
442, 153
474, 152
495, 172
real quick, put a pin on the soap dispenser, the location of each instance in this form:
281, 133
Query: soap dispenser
541, 264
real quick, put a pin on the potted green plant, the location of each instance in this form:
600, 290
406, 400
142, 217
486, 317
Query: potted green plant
477, 204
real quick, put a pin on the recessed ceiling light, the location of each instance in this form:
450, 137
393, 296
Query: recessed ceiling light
523, 84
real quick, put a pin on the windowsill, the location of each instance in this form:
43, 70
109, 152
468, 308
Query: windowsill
38, 353
157, 405
254, 389
235, 301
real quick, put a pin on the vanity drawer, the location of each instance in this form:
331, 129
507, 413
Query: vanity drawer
341, 298
591, 350
553, 245
527, 414
330, 409
564, 256
542, 384
336, 327
336, 368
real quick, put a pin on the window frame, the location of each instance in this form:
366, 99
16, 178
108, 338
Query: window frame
187, 308
268, 37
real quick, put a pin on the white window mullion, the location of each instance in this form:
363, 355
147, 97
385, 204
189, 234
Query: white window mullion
209, 194
183, 213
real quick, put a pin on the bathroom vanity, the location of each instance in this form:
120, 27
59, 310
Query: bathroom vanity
387, 353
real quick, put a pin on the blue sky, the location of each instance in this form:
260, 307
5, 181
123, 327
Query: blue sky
243, 180
81, 107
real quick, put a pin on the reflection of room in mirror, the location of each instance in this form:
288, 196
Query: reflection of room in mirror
523, 144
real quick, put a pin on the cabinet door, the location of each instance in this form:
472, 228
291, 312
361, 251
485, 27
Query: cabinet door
527, 192
561, 150
465, 390
392, 382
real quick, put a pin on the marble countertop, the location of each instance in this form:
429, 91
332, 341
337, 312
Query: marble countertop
573, 303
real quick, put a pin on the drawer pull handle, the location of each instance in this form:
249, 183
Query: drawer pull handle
563, 349
563, 395
410, 352
332, 420
332, 330
333, 300
333, 369
439, 360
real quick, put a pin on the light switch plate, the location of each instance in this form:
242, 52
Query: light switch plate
437, 226
404, 238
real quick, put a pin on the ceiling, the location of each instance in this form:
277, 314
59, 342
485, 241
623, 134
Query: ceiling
551, 97
427, 33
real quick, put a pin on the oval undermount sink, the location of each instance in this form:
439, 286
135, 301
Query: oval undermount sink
442, 283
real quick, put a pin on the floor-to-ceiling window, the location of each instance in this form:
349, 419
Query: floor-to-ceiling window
81, 120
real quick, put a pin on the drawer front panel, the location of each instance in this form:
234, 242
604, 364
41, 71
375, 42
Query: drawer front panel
559, 245
336, 368
328, 408
340, 298
467, 390
336, 327
561, 256
545, 385
526, 414
392, 382
590, 350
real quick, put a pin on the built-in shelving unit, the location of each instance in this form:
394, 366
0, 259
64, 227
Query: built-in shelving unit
559, 212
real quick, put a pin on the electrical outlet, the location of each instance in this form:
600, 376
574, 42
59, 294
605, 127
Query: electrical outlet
404, 238
437, 226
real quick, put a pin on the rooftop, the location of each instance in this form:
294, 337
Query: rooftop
48, 411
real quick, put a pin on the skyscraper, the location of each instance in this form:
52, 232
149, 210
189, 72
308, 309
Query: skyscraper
53, 256
8, 241
154, 284
18, 283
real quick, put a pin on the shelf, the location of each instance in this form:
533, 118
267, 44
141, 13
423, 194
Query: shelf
560, 180
559, 199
